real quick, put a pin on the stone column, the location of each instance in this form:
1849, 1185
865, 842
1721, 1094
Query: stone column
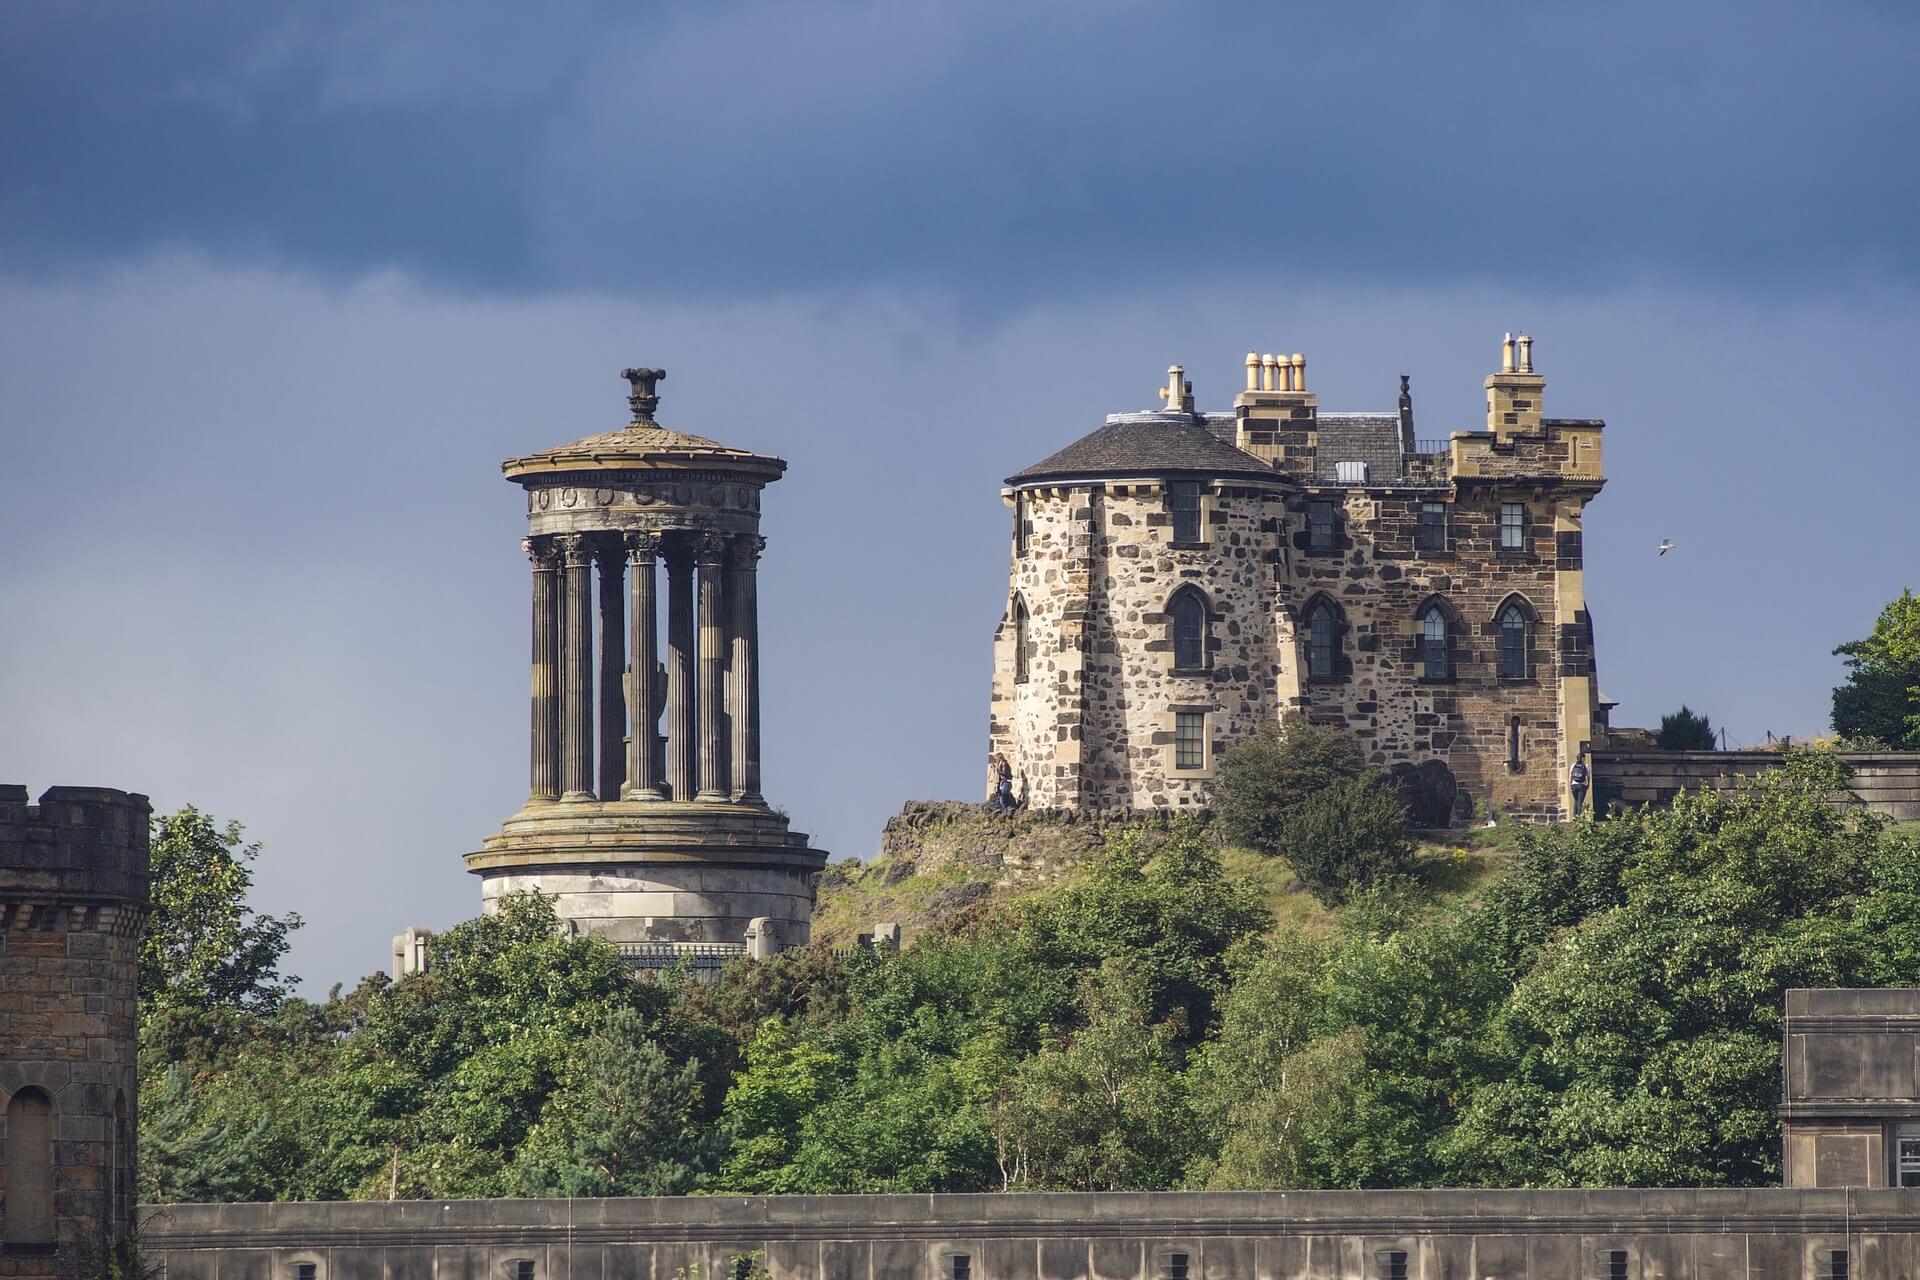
711, 552
743, 677
544, 781
680, 695
611, 557
576, 676
644, 693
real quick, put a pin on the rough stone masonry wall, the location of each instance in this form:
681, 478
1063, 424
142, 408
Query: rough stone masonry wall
1133, 689
1380, 584
73, 893
1037, 722
1281, 1235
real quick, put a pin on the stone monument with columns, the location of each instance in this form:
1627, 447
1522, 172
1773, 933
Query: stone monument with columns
644, 819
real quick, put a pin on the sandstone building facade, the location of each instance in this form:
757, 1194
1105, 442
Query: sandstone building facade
644, 819
1180, 578
73, 898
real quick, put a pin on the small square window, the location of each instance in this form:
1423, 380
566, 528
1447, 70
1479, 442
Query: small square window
305, 1270
1831, 1264
1393, 1264
960, 1267
1616, 1264
1183, 503
1176, 1266
523, 1269
1513, 527
1320, 525
1190, 740
1431, 533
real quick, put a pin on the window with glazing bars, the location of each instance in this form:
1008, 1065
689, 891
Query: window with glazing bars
305, 1270
523, 1269
1189, 632
1513, 643
1183, 501
1433, 645
960, 1267
1831, 1264
1393, 1264
1321, 635
1176, 1266
1189, 739
1906, 1157
1513, 527
1431, 534
1616, 1264
1320, 525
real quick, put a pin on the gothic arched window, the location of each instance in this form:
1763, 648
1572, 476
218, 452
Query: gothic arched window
1513, 643
1435, 644
1323, 640
1187, 614
1019, 640
29, 1217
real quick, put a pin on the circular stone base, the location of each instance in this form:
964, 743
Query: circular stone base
644, 873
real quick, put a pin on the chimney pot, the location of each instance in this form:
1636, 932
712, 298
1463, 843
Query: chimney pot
1506, 354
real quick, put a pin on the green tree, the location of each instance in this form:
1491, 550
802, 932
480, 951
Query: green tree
1351, 834
1103, 1107
1879, 703
627, 1122
1684, 731
1265, 776
204, 949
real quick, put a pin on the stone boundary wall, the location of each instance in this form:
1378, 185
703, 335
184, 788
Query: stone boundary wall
1776, 1233
1887, 782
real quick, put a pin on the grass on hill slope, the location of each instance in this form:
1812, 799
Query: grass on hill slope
854, 895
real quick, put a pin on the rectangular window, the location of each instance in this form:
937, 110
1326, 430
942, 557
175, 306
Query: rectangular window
523, 1269
1431, 534
1616, 1264
1176, 1266
1906, 1157
305, 1270
1393, 1264
1513, 527
1019, 524
1189, 739
1183, 502
1320, 525
1831, 1264
960, 1267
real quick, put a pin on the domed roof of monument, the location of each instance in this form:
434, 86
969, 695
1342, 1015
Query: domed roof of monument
1146, 444
644, 445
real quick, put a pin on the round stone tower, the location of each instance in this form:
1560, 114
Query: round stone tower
653, 830
73, 895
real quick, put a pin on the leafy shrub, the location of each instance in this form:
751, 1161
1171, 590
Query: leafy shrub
1265, 777
1350, 834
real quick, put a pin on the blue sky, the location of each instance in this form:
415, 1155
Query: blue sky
280, 286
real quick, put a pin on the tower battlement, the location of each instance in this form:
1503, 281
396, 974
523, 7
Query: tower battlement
73, 895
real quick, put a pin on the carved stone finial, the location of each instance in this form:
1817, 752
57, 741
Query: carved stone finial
644, 399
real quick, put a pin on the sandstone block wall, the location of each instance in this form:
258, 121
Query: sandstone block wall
1316, 1235
73, 895
1887, 782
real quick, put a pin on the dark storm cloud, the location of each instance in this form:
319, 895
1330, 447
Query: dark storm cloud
996, 154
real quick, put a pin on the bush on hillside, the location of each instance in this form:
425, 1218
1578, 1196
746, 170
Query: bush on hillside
1347, 836
1684, 730
1264, 777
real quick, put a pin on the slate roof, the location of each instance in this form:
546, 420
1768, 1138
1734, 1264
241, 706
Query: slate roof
1372, 438
1146, 444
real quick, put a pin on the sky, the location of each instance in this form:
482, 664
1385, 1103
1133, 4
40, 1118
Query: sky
280, 286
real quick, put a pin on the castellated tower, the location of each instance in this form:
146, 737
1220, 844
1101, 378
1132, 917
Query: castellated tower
1179, 578
644, 818
73, 895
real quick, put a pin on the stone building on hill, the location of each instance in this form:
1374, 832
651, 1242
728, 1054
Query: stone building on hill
644, 819
1181, 577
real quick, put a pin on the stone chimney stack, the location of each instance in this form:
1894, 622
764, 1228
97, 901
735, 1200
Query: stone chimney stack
1513, 394
1178, 393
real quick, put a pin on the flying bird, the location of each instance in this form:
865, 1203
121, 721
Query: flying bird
1666, 545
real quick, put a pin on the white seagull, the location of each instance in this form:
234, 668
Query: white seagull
1666, 545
